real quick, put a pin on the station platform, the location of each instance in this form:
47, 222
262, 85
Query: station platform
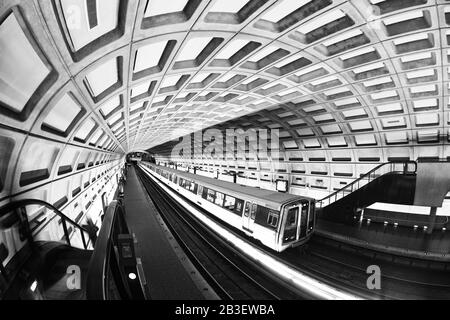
167, 277
402, 241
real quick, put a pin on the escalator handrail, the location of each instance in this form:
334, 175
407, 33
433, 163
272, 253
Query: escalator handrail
368, 174
7, 208
97, 276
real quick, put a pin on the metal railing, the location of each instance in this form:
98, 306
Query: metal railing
16, 212
441, 221
402, 167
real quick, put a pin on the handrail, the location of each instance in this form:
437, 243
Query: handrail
369, 176
104, 256
431, 160
417, 221
7, 208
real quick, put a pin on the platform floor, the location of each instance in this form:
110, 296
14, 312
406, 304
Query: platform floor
166, 276
397, 240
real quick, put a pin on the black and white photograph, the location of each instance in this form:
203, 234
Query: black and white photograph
224, 158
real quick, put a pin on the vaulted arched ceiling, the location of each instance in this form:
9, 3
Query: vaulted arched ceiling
365, 80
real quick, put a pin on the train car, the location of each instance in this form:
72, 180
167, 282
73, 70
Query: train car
277, 220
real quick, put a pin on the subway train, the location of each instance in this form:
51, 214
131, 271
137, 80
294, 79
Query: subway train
278, 220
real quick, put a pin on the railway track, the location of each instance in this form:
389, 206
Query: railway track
346, 266
232, 276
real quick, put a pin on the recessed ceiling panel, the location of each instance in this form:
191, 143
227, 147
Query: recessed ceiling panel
21, 68
63, 115
87, 20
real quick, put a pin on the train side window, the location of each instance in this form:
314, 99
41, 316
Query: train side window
253, 213
219, 199
239, 206
205, 193
247, 209
200, 190
230, 203
211, 195
233, 204
266, 217
272, 218
193, 188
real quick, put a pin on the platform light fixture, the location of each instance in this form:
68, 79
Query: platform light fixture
281, 185
33, 286
132, 276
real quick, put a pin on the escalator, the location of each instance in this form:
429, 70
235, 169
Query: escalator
392, 182
74, 266
44, 275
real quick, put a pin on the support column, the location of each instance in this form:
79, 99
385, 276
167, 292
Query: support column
433, 211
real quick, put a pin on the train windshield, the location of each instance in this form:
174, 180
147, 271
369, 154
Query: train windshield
291, 220
290, 227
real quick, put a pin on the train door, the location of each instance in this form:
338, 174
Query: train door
252, 216
248, 218
311, 218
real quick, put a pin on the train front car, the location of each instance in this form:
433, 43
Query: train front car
278, 220
297, 223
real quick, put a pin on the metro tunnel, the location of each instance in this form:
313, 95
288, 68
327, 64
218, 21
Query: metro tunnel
224, 150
